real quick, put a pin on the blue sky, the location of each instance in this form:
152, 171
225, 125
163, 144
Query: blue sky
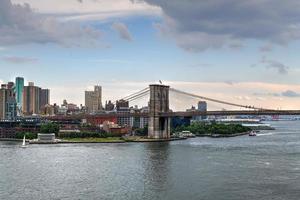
68, 46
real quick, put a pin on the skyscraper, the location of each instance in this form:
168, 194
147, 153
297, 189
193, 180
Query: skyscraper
202, 106
31, 99
8, 105
44, 98
2, 102
93, 100
19, 87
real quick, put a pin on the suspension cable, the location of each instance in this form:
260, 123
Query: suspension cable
136, 93
139, 96
215, 100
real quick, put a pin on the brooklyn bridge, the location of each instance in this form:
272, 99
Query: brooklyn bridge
160, 114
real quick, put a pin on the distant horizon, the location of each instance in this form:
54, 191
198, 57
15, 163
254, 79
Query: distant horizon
112, 90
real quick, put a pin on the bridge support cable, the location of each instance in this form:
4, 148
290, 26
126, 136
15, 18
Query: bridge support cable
136, 93
138, 96
217, 101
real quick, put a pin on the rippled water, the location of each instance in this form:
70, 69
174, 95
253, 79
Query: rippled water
263, 167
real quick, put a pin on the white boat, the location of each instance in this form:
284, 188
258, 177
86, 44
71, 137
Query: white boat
186, 134
252, 133
24, 143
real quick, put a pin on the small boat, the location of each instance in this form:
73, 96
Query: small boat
252, 133
24, 143
186, 134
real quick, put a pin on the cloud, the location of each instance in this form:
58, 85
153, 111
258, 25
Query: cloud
92, 10
266, 94
280, 67
19, 60
290, 93
266, 48
236, 45
286, 93
19, 24
245, 98
201, 25
229, 82
122, 30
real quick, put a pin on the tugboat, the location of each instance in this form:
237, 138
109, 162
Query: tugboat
252, 133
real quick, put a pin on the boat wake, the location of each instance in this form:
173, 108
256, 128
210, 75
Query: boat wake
265, 134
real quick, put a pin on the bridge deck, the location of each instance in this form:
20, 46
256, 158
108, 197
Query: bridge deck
182, 114
231, 112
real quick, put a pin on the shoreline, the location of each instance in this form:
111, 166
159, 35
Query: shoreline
143, 140
118, 141
224, 135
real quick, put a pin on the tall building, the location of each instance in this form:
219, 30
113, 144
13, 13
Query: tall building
93, 100
8, 105
19, 87
109, 106
31, 99
44, 98
202, 106
122, 106
2, 102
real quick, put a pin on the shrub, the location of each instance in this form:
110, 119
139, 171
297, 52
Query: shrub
101, 134
200, 128
28, 135
50, 128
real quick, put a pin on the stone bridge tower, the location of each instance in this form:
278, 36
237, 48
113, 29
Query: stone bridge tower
159, 127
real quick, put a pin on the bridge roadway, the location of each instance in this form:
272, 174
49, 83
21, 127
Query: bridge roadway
231, 112
180, 114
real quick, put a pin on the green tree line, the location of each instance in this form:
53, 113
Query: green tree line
84, 135
201, 128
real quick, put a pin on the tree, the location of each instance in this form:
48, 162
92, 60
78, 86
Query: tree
142, 131
50, 128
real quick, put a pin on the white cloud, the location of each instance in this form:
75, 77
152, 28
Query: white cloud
266, 48
92, 9
122, 30
19, 60
19, 24
273, 64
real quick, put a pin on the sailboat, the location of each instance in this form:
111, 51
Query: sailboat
24, 143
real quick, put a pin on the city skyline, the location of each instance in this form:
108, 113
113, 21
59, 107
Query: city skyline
150, 99
126, 45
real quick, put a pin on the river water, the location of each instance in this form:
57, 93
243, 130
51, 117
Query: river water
262, 167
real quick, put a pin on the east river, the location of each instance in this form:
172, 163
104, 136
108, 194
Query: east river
263, 167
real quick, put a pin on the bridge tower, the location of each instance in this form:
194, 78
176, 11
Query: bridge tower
159, 127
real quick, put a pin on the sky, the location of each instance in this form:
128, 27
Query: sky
240, 51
